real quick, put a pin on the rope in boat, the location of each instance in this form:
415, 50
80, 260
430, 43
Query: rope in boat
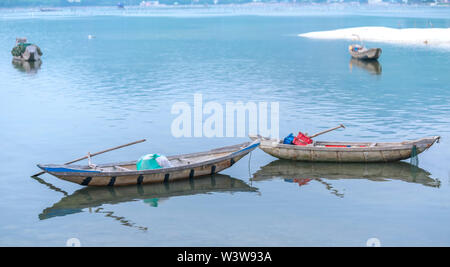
249, 168
414, 158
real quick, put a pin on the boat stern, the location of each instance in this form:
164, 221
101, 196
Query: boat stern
434, 139
377, 53
43, 167
425, 143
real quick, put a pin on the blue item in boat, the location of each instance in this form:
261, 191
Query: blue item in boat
288, 139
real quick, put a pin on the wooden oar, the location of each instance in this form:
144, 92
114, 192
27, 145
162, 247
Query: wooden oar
326, 131
95, 154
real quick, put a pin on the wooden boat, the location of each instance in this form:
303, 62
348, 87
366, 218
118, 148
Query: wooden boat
49, 9
24, 51
378, 172
125, 173
323, 151
361, 52
30, 54
92, 197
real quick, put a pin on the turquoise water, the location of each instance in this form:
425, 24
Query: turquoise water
91, 94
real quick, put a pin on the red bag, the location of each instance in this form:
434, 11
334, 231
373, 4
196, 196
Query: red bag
302, 140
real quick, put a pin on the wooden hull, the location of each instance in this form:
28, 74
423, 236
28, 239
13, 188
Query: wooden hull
288, 169
91, 197
219, 160
370, 152
369, 54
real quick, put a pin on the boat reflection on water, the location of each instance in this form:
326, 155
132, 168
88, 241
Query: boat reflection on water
93, 198
371, 66
304, 172
27, 66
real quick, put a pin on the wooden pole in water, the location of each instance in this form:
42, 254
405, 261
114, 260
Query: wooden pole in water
326, 131
96, 153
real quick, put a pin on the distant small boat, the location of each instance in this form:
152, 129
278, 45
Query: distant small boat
120, 5
49, 9
26, 51
186, 166
361, 52
323, 151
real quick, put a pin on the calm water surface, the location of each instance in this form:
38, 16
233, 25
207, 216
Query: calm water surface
90, 94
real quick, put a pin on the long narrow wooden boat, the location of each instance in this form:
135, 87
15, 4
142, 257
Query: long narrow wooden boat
92, 197
364, 53
125, 173
323, 151
377, 172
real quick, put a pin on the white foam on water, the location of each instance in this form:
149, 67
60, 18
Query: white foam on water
433, 37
